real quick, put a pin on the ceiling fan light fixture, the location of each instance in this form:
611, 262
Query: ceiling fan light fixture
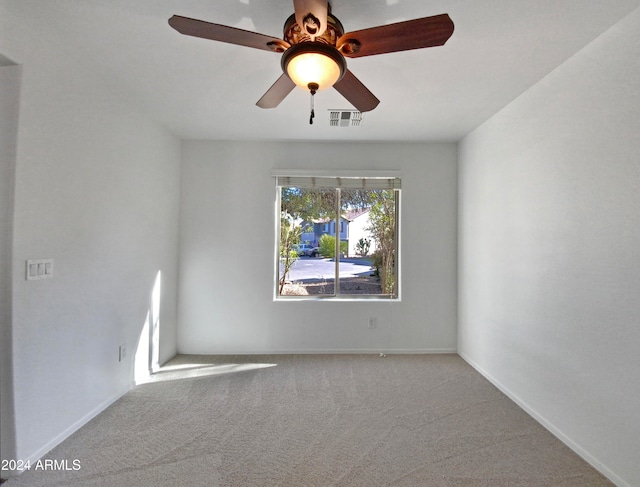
313, 63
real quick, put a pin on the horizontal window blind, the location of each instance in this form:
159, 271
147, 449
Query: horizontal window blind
310, 182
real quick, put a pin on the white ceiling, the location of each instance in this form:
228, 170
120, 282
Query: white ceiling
203, 89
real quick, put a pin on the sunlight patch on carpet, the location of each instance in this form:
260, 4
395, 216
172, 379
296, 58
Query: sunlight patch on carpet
189, 371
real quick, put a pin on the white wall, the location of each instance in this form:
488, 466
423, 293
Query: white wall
9, 108
549, 265
97, 191
227, 278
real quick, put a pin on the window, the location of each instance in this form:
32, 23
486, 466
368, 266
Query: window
337, 237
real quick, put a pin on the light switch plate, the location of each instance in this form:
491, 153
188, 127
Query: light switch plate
39, 269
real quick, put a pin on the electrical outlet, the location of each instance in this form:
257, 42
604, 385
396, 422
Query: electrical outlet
122, 352
373, 323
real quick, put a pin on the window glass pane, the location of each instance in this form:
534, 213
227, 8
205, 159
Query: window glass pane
305, 215
368, 243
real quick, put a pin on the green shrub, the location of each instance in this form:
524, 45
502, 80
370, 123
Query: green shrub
327, 246
376, 262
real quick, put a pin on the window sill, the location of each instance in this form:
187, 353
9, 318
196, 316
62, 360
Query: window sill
334, 299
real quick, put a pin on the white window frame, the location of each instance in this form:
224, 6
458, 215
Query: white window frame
281, 176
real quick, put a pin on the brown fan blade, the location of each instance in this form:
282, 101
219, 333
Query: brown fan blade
356, 93
224, 33
311, 16
278, 92
401, 36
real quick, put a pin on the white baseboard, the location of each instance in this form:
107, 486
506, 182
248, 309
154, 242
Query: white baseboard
40, 452
329, 351
554, 430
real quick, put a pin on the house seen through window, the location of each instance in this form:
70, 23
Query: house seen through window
337, 237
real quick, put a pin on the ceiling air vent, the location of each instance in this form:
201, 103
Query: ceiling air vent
345, 118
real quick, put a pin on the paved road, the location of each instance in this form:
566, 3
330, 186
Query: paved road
318, 268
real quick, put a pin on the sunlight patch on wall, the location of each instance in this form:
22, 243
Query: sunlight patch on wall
147, 352
155, 321
141, 370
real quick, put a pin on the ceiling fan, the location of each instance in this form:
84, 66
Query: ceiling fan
314, 47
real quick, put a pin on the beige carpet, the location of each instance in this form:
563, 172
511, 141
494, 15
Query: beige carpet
315, 420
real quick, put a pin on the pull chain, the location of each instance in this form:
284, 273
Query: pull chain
312, 112
313, 87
